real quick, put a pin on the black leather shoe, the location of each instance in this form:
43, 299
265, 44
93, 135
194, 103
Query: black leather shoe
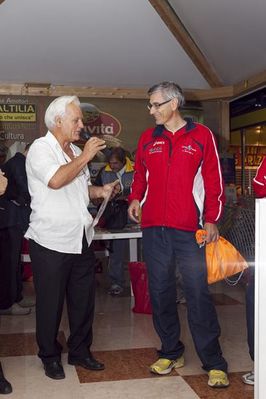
87, 363
5, 386
54, 370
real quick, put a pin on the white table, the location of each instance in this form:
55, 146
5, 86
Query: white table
102, 234
130, 234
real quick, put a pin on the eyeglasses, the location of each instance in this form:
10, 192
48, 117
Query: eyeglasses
157, 105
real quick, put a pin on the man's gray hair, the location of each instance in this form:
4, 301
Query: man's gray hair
58, 108
169, 90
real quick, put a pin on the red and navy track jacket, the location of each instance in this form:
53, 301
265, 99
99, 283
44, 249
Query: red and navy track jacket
178, 178
259, 181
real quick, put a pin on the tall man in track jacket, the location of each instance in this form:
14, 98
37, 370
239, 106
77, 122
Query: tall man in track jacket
178, 180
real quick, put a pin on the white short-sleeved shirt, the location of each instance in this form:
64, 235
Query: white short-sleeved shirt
59, 217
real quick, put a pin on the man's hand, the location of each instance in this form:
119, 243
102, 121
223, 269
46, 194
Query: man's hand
3, 183
134, 211
212, 232
111, 189
92, 146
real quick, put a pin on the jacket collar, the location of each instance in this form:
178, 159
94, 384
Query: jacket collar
158, 131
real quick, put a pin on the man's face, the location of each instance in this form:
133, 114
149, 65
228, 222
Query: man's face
115, 164
162, 113
71, 124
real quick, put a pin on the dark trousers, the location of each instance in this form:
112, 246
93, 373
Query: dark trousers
162, 247
10, 266
250, 297
58, 275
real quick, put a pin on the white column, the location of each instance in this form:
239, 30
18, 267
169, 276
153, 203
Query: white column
260, 299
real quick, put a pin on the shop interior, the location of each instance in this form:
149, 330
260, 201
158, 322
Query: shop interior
132, 334
109, 54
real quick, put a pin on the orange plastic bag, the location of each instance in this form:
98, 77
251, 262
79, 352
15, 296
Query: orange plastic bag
222, 258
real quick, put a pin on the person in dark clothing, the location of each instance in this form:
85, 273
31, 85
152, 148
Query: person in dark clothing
17, 189
14, 222
118, 167
5, 386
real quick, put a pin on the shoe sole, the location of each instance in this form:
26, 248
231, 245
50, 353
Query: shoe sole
76, 363
115, 293
218, 386
61, 377
164, 372
167, 371
28, 306
54, 377
15, 314
248, 382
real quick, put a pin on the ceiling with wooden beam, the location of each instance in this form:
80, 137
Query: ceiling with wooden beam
119, 48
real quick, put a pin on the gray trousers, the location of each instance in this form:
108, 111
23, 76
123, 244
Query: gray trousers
116, 261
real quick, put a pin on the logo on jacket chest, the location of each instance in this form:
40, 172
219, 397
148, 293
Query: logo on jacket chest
156, 147
188, 149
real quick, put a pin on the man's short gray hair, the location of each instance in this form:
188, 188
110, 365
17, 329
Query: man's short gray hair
169, 90
58, 108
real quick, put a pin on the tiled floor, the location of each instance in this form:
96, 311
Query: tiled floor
126, 343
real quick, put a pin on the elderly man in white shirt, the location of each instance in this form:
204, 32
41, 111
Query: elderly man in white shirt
60, 233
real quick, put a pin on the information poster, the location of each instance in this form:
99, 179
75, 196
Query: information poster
18, 119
